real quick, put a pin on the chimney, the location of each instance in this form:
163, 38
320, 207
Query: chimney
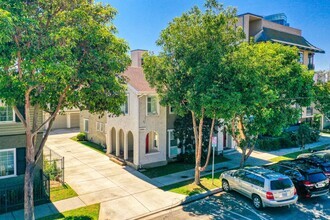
136, 56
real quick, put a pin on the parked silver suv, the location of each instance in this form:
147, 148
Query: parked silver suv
265, 187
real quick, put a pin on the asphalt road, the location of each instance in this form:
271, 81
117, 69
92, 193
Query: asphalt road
235, 206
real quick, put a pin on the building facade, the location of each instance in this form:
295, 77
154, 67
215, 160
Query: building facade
12, 158
144, 135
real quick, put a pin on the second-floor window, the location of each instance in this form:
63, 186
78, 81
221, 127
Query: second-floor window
6, 113
309, 111
152, 105
99, 126
171, 109
124, 107
301, 57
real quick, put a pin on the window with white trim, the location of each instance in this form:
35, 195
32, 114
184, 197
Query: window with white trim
173, 144
301, 57
152, 105
6, 113
124, 107
309, 111
99, 126
7, 163
86, 125
171, 109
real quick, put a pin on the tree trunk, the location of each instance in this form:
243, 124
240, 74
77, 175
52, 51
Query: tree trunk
242, 163
198, 145
197, 162
29, 178
209, 147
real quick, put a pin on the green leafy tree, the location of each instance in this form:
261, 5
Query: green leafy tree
270, 82
183, 130
322, 98
189, 65
58, 54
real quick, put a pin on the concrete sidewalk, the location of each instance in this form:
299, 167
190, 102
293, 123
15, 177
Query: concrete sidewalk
257, 158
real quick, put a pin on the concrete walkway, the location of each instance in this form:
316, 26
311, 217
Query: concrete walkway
257, 158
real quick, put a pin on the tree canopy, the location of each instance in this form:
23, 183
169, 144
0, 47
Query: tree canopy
186, 71
322, 97
54, 55
271, 85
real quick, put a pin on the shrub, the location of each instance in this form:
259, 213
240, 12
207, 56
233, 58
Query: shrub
51, 169
81, 137
269, 144
286, 142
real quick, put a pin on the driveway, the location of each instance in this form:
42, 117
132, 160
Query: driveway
123, 192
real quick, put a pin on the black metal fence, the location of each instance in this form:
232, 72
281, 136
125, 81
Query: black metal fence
12, 197
53, 165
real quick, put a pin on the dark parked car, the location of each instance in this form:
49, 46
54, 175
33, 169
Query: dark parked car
319, 162
309, 181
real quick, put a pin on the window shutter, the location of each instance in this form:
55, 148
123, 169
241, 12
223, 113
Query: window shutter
20, 160
21, 109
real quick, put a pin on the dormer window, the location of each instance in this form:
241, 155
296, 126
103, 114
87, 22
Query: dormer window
6, 113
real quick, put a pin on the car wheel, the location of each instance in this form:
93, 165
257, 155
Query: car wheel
257, 202
225, 186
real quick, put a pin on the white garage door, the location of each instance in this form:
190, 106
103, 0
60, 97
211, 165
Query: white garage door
60, 122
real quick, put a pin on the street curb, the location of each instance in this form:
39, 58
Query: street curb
187, 200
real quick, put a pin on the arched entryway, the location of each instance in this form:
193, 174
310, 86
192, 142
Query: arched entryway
121, 142
130, 146
152, 142
113, 140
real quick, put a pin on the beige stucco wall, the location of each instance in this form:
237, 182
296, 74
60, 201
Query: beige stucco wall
147, 124
93, 135
128, 123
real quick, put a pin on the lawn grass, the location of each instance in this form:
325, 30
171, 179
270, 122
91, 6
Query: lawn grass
85, 213
175, 167
91, 145
189, 188
61, 192
294, 155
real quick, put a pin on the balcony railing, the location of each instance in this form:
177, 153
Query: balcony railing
311, 66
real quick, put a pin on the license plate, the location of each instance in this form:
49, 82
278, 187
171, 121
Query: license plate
284, 194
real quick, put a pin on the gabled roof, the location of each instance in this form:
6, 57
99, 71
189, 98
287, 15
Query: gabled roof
268, 34
136, 79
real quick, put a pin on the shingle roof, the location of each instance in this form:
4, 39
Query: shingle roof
137, 80
268, 34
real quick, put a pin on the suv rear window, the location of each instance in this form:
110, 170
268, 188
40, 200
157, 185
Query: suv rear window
280, 184
316, 177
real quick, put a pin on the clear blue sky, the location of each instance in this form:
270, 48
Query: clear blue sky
141, 21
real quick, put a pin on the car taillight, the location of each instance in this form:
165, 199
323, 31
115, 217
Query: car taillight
328, 174
269, 195
295, 191
307, 183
